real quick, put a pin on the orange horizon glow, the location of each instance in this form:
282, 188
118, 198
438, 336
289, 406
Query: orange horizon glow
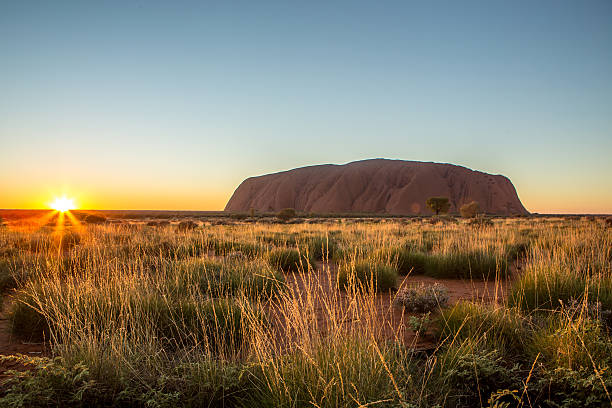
554, 200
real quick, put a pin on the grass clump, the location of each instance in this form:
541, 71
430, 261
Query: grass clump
27, 322
371, 275
405, 260
346, 372
549, 288
500, 328
572, 341
290, 260
466, 265
222, 279
323, 248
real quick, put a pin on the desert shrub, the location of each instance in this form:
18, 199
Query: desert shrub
406, 261
50, 383
289, 260
469, 210
57, 382
286, 214
471, 376
379, 276
421, 323
422, 299
498, 327
567, 388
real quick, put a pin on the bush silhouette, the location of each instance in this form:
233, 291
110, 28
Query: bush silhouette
438, 204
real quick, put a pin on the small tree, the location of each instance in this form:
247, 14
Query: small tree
438, 204
470, 210
286, 214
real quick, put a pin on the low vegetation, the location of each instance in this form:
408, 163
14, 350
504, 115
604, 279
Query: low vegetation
335, 313
377, 276
422, 299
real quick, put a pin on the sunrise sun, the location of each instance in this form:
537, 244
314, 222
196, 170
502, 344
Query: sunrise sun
63, 204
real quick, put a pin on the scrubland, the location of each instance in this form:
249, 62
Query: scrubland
332, 314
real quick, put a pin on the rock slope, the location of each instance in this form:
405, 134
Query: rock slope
375, 186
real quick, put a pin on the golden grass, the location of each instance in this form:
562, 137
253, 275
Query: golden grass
137, 304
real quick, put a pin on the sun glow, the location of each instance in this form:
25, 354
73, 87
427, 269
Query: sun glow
63, 204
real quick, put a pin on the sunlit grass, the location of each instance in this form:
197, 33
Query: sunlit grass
284, 315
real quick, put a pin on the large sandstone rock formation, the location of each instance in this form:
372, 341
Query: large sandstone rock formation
375, 186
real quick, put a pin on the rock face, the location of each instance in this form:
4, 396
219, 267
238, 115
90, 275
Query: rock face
375, 186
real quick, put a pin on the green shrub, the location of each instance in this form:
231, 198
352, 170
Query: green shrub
50, 383
289, 260
471, 376
379, 276
567, 388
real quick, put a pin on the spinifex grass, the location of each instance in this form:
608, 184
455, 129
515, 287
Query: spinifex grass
149, 316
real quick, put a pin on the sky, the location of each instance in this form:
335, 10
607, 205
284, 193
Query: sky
170, 105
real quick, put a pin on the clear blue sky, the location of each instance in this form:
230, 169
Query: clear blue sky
171, 104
